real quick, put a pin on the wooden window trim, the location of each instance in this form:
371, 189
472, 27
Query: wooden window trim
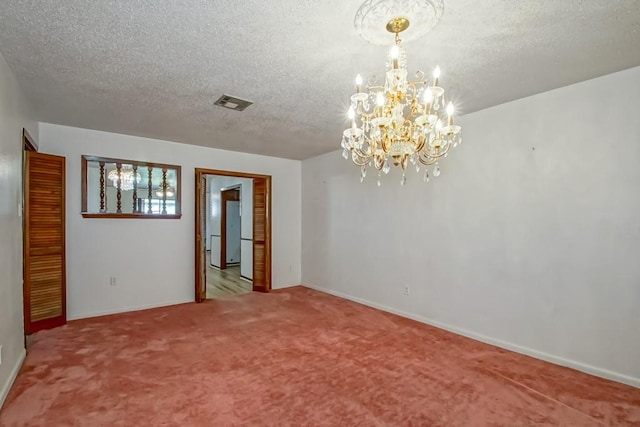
129, 215
111, 215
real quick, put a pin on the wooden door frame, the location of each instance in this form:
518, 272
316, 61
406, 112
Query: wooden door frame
200, 288
223, 223
27, 144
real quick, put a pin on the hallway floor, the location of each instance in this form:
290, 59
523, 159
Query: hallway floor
226, 283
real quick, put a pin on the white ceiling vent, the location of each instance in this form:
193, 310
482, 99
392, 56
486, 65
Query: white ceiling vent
232, 103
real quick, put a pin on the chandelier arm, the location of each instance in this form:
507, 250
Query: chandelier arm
412, 84
437, 156
362, 154
386, 143
427, 161
448, 147
417, 81
378, 162
359, 161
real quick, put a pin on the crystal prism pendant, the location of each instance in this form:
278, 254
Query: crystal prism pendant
386, 168
363, 172
436, 170
425, 178
379, 183
417, 167
403, 181
345, 153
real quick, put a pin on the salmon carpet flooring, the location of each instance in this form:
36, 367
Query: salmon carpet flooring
295, 357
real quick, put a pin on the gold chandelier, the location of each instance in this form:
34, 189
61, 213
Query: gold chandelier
400, 121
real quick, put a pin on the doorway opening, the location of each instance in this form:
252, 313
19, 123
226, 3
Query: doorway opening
233, 233
229, 223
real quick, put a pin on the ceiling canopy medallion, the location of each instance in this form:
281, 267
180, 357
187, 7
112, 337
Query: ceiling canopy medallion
400, 120
374, 15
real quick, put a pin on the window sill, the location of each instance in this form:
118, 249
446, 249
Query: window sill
111, 215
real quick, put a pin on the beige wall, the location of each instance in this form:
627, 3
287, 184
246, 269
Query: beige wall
14, 115
153, 261
529, 239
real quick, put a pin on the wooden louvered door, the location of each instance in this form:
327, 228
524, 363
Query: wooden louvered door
261, 235
44, 242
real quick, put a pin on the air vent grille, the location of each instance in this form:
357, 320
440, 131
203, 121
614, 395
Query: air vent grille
232, 103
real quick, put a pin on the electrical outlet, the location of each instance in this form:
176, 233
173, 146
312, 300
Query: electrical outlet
405, 291
112, 281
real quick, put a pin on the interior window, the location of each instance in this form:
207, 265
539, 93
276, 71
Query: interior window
114, 188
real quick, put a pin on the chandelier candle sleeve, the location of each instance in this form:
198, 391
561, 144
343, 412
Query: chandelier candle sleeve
428, 97
399, 120
394, 53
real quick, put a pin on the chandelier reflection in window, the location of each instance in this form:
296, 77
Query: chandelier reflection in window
165, 190
126, 176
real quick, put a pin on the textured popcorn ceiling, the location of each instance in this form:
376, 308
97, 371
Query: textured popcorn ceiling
154, 68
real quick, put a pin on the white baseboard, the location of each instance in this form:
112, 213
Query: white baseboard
127, 309
4, 392
583, 367
291, 285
